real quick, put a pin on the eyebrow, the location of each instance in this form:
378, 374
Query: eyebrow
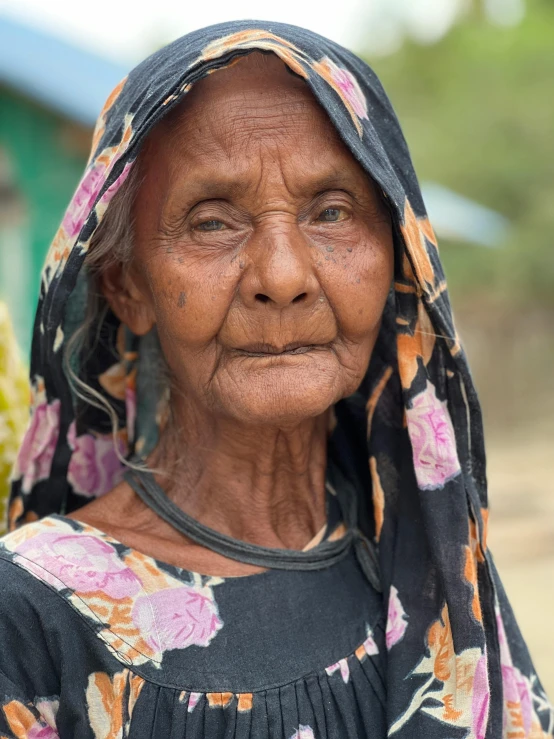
335, 180
227, 187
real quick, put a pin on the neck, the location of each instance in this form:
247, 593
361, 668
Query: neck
263, 485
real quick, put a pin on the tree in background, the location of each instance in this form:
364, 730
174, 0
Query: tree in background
477, 107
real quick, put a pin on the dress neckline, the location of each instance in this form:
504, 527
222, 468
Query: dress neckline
333, 528
323, 554
335, 545
326, 553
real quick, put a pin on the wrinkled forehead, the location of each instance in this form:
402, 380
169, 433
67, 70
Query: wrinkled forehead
254, 95
253, 121
260, 69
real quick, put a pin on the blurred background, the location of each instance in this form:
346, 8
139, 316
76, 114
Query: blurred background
473, 84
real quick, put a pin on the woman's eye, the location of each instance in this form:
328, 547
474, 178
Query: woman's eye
331, 215
212, 225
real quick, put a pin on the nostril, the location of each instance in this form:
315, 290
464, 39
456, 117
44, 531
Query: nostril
300, 297
262, 298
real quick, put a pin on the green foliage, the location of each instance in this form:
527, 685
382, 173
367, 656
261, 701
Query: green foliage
477, 110
14, 404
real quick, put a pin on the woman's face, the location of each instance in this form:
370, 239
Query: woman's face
263, 252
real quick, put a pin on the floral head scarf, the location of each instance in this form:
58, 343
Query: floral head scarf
412, 432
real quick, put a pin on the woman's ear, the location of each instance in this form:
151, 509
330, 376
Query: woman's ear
126, 299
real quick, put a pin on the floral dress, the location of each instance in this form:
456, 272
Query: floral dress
100, 641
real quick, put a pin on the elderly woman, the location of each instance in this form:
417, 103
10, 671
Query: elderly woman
253, 484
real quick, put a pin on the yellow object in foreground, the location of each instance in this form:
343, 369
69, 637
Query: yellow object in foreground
14, 405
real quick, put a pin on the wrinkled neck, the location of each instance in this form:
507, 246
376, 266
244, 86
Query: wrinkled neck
260, 484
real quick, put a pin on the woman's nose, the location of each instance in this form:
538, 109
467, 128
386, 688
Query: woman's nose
280, 270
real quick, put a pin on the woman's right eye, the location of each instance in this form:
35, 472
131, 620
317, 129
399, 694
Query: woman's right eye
212, 225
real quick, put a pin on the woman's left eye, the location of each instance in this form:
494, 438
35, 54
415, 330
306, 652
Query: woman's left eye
212, 225
331, 215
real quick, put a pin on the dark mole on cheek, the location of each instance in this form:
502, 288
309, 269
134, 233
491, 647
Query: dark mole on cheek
169, 250
330, 248
182, 300
348, 248
181, 260
241, 265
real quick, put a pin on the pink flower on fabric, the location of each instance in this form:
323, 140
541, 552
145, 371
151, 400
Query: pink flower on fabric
342, 667
480, 699
34, 460
84, 198
79, 562
176, 618
348, 86
303, 732
94, 467
193, 700
396, 619
516, 687
41, 731
116, 184
433, 441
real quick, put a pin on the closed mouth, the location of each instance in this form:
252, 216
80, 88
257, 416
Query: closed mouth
265, 350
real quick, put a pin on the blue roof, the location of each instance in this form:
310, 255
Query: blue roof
456, 217
70, 80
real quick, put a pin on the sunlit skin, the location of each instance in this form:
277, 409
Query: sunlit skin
263, 255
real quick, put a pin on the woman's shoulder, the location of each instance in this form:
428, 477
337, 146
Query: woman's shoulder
20, 552
42, 549
35, 622
122, 597
73, 557
29, 587
81, 566
57, 565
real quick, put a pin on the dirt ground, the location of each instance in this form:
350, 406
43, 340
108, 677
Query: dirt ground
521, 493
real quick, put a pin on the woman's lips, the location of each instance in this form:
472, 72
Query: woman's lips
264, 350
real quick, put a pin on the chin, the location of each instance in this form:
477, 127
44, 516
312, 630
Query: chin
282, 403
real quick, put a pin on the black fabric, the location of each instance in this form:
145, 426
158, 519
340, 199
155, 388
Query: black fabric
288, 657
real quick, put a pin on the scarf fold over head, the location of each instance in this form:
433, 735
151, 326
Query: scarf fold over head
456, 664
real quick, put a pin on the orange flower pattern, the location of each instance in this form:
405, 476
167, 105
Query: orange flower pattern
455, 691
32, 721
111, 701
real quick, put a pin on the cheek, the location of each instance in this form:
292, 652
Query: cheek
191, 299
357, 283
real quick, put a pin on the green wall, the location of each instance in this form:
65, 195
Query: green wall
46, 155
